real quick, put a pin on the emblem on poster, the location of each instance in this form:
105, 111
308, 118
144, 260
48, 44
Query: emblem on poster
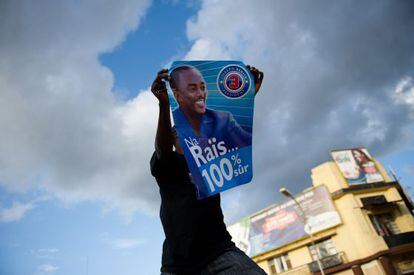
233, 81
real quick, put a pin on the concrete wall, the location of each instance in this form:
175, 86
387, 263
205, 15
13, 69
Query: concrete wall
345, 272
355, 236
264, 266
328, 174
373, 268
300, 256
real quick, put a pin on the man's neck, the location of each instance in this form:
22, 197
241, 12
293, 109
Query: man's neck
195, 121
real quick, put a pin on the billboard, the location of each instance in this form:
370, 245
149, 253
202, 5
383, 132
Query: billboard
283, 223
357, 166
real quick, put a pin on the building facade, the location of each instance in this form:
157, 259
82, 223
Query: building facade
364, 225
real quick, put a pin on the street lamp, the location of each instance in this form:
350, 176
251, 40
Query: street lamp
284, 191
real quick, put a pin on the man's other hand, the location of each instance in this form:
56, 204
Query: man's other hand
158, 87
258, 77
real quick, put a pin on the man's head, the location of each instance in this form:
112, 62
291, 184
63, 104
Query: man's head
189, 89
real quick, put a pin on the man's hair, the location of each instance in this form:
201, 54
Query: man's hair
175, 75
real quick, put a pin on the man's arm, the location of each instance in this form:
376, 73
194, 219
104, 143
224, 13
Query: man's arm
164, 139
258, 77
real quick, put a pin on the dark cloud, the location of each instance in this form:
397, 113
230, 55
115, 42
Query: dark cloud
331, 72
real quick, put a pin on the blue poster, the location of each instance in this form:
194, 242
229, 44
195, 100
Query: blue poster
212, 103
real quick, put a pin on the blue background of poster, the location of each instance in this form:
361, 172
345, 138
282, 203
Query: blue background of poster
241, 109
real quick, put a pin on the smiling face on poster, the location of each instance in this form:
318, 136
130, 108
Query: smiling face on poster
212, 104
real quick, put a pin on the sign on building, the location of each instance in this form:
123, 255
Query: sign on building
357, 166
283, 223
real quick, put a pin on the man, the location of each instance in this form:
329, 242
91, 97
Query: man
192, 118
197, 241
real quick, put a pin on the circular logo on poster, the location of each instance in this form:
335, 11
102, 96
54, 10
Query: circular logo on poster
233, 81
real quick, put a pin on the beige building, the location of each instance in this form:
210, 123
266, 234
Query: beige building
374, 233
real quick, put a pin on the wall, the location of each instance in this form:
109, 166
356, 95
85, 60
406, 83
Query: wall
373, 268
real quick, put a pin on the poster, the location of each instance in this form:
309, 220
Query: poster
284, 223
212, 103
357, 166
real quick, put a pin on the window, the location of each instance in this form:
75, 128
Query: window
322, 249
384, 224
279, 264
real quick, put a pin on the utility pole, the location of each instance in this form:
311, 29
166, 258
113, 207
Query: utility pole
284, 191
393, 174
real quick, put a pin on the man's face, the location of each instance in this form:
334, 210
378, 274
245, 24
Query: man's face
191, 92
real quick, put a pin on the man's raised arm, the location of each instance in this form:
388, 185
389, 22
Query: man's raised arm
164, 139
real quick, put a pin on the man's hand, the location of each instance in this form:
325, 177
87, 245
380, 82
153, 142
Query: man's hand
158, 87
258, 77
164, 140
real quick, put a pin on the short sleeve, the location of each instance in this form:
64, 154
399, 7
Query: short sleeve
157, 166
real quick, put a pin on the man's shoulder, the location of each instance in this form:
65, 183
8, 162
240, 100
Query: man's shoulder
176, 110
179, 117
165, 162
218, 114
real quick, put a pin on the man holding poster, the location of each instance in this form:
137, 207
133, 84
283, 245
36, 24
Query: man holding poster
197, 241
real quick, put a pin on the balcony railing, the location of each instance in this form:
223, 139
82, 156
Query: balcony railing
300, 270
327, 262
399, 239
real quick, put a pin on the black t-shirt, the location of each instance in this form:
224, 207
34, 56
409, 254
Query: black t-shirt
195, 232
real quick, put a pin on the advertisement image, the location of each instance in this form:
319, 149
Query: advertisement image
357, 166
283, 223
212, 105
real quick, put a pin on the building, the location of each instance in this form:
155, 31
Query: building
360, 219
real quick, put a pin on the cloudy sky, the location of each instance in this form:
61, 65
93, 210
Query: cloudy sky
78, 122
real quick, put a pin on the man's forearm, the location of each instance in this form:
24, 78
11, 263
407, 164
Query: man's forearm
164, 139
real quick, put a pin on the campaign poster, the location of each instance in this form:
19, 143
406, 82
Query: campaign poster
284, 223
357, 166
212, 103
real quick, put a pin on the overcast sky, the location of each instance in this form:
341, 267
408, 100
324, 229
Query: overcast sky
78, 122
